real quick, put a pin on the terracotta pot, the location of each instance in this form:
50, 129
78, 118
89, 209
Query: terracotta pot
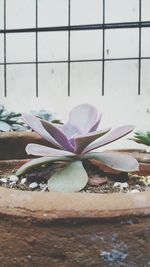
73, 229
12, 144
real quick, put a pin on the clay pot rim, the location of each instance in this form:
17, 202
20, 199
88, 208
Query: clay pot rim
52, 206
56, 206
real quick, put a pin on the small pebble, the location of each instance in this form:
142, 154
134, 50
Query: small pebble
117, 184
3, 180
33, 185
23, 180
124, 185
121, 185
13, 178
42, 185
134, 191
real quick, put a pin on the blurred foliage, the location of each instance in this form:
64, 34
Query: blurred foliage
46, 115
142, 137
11, 121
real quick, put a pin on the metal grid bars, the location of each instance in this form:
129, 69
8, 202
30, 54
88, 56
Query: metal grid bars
103, 28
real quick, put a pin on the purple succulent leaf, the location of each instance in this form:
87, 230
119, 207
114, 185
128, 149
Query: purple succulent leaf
83, 117
37, 126
38, 162
72, 141
70, 130
40, 150
110, 137
115, 160
58, 135
97, 122
83, 141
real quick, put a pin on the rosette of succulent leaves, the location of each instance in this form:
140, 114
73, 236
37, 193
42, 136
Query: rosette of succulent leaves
73, 143
142, 137
10, 121
46, 115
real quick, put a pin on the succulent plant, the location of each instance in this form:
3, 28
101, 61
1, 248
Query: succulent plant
10, 121
142, 137
46, 115
72, 143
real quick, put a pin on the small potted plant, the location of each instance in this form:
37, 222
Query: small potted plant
73, 229
142, 155
142, 137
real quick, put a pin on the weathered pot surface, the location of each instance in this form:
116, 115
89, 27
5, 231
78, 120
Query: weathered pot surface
73, 229
69, 230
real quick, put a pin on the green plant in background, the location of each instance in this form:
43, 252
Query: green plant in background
72, 144
142, 137
46, 115
10, 121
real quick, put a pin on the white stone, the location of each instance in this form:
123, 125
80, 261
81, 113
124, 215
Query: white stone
3, 180
117, 184
23, 180
124, 185
33, 185
134, 191
121, 185
42, 185
13, 178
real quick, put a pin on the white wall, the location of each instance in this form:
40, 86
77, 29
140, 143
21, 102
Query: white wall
121, 104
